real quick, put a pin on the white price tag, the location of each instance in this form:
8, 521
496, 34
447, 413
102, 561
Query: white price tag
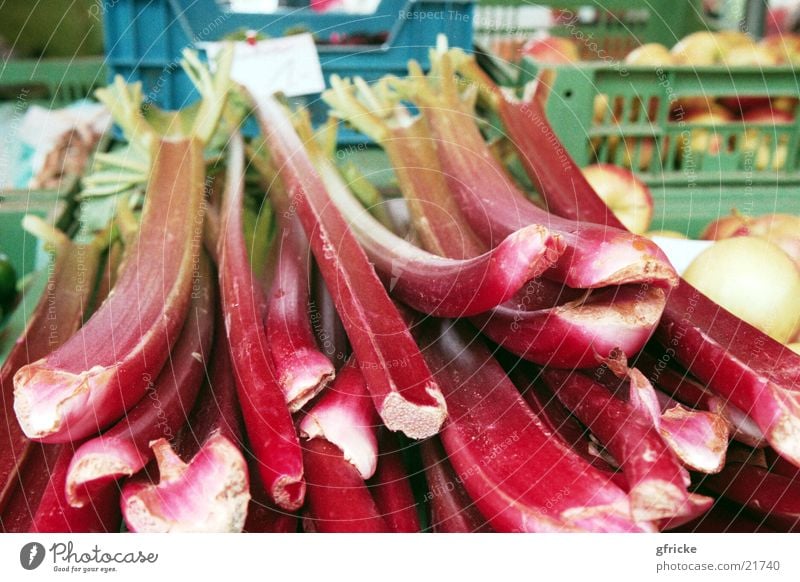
288, 64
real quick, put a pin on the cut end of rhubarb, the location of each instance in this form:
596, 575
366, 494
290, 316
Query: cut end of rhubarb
308, 375
656, 499
534, 241
337, 426
289, 492
211, 493
46, 400
96, 463
414, 420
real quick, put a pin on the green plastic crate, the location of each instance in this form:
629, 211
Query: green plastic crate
690, 188
602, 28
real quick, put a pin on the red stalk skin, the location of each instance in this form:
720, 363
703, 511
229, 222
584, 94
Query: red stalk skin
30, 483
535, 484
345, 416
267, 419
579, 334
781, 466
109, 273
404, 392
212, 491
391, 488
774, 496
338, 498
262, 515
562, 424
495, 207
440, 286
451, 509
657, 481
681, 387
103, 370
124, 449
713, 344
56, 317
725, 517
329, 329
303, 370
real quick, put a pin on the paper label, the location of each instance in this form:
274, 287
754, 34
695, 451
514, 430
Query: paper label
288, 64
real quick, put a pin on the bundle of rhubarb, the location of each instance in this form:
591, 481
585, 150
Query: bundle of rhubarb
276, 346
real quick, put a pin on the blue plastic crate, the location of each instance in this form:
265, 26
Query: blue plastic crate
144, 39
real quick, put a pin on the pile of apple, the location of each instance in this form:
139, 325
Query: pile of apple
705, 48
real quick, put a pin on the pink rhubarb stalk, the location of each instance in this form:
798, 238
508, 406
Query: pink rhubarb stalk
494, 206
56, 317
303, 370
391, 488
440, 286
405, 394
713, 344
520, 477
338, 498
267, 420
211, 492
657, 483
104, 369
124, 449
327, 326
346, 417
451, 509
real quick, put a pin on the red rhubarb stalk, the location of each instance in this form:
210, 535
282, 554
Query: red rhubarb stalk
211, 492
124, 449
657, 483
713, 344
57, 316
262, 515
267, 419
391, 488
520, 477
346, 417
441, 286
495, 207
327, 326
451, 509
402, 388
775, 496
303, 370
104, 369
338, 498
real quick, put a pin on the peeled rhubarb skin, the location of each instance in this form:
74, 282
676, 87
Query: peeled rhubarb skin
124, 449
57, 316
104, 369
303, 370
338, 498
404, 392
533, 484
267, 420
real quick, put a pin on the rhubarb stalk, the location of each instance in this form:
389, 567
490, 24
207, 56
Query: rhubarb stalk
124, 449
302, 369
520, 477
391, 488
402, 388
267, 419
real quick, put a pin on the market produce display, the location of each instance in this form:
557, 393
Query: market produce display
269, 343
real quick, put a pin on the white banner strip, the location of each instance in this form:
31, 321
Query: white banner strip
384, 558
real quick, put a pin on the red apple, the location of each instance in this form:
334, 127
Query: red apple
762, 143
785, 48
785, 104
782, 230
651, 54
554, 50
628, 197
735, 224
647, 149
